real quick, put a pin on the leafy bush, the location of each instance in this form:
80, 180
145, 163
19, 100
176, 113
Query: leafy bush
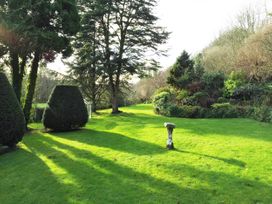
174, 111
162, 102
12, 121
195, 86
234, 81
198, 99
181, 95
266, 98
249, 92
190, 101
221, 105
213, 83
222, 100
224, 110
184, 111
262, 114
66, 109
163, 89
203, 99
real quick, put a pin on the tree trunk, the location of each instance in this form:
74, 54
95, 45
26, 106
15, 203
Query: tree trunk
21, 77
114, 101
93, 72
94, 108
18, 71
114, 98
116, 85
14, 62
31, 85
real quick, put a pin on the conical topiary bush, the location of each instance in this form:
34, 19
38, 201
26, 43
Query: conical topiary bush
66, 109
12, 120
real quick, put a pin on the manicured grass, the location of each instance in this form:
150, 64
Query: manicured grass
40, 105
122, 159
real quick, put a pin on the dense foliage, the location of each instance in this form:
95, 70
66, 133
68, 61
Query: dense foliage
66, 109
210, 94
12, 121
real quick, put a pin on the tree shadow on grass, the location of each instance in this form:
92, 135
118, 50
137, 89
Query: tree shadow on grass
230, 161
102, 180
26, 179
226, 188
112, 141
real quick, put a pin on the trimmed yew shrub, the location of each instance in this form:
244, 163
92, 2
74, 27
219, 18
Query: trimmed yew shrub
66, 109
12, 120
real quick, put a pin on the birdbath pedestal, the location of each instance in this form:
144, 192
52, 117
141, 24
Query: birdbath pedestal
170, 127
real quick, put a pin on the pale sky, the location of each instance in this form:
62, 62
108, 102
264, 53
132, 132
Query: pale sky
194, 24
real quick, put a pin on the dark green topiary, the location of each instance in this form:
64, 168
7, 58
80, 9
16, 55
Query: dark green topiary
12, 120
66, 109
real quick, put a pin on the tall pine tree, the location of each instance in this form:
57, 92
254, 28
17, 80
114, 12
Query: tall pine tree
182, 72
125, 31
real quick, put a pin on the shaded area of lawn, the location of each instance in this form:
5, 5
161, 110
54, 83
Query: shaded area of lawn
122, 159
112, 141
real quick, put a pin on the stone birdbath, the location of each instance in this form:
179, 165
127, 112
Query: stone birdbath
170, 127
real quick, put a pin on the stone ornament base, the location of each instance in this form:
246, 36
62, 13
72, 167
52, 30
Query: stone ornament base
170, 147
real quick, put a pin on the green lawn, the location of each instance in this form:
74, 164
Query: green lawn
122, 159
40, 105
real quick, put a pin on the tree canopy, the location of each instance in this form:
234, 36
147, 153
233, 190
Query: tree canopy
118, 35
31, 31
